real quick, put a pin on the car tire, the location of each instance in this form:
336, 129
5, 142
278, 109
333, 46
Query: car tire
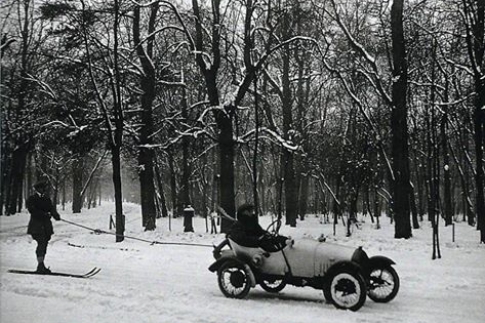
233, 279
273, 286
383, 284
346, 289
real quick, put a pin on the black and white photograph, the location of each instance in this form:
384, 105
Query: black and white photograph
242, 161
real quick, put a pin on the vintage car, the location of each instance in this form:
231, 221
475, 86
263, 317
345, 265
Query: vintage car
344, 274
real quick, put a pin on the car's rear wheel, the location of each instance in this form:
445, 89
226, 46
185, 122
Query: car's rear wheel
346, 289
233, 279
383, 284
272, 285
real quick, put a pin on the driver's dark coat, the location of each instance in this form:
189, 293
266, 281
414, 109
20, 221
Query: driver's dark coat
41, 209
246, 234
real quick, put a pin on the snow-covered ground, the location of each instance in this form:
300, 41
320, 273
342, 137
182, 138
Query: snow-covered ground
140, 282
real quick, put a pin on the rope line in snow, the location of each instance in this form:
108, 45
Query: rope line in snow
152, 242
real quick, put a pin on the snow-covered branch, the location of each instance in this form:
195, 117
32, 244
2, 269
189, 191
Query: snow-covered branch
359, 48
362, 109
91, 174
45, 88
275, 137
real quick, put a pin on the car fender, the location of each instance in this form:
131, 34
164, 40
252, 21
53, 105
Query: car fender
380, 261
219, 262
352, 266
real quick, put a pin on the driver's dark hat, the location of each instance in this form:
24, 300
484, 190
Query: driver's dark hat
243, 208
41, 185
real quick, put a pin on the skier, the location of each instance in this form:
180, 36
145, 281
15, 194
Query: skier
248, 233
40, 226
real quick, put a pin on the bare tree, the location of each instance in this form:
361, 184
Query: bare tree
474, 19
398, 167
399, 113
18, 138
114, 117
146, 154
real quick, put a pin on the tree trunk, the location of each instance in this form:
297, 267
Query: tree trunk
146, 155
4, 173
255, 167
226, 164
185, 187
223, 118
21, 141
120, 218
479, 125
77, 185
304, 188
118, 133
147, 188
420, 172
479, 114
467, 191
474, 19
14, 198
414, 209
161, 192
448, 209
399, 128
291, 192
173, 181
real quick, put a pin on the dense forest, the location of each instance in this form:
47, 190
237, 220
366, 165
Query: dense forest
332, 107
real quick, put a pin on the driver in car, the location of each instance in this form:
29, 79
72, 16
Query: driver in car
247, 232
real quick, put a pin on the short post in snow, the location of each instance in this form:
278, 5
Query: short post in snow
188, 215
112, 223
453, 231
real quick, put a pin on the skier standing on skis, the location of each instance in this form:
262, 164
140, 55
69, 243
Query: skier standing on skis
40, 226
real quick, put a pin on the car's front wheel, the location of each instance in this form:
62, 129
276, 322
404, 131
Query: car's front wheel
346, 289
233, 279
383, 284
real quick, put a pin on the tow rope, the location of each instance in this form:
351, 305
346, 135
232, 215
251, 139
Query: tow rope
98, 231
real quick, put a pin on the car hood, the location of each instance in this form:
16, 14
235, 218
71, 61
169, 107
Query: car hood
310, 258
327, 254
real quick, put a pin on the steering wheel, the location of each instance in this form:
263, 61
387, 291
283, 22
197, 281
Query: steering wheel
273, 228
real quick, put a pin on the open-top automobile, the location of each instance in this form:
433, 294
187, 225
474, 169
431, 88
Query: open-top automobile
346, 275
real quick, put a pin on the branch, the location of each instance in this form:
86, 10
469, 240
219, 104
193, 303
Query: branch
91, 175
359, 48
44, 86
250, 73
367, 118
279, 139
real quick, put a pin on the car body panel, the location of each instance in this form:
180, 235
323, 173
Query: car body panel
305, 257
328, 254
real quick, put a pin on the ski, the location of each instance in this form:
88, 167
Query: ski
89, 274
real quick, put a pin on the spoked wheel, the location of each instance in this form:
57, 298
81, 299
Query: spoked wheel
272, 285
234, 280
383, 284
346, 289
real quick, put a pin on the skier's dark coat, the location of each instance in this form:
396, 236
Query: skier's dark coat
41, 209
